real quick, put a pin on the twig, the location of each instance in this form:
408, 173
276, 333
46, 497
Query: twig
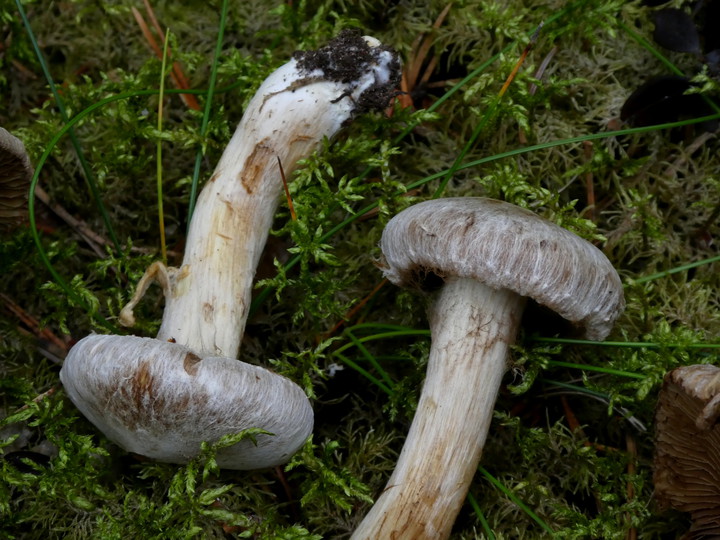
37, 399
291, 206
350, 314
631, 469
92, 239
182, 79
420, 49
32, 323
589, 184
177, 75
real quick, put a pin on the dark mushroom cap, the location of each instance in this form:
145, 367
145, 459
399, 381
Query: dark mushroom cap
505, 247
687, 447
15, 175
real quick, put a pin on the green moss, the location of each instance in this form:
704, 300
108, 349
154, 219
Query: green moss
656, 209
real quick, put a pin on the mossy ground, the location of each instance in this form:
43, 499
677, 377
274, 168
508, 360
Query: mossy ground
571, 446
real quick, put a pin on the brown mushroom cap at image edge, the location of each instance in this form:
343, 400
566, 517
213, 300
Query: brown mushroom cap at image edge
15, 175
687, 447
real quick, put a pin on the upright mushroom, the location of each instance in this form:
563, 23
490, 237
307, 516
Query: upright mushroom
687, 447
162, 397
489, 255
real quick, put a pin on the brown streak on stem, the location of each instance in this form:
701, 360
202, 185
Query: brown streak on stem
255, 164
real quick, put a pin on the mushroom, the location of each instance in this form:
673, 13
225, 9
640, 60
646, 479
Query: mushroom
15, 175
489, 255
687, 447
163, 397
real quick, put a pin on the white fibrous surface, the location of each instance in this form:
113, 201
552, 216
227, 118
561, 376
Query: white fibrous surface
161, 400
505, 247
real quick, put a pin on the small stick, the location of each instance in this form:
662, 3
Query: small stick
589, 185
47, 393
521, 60
291, 207
419, 51
631, 469
182, 79
353, 311
422, 47
32, 323
93, 239
188, 99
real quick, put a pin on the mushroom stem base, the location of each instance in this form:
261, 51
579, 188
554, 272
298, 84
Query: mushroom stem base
472, 328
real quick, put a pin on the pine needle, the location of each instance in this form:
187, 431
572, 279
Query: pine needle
161, 215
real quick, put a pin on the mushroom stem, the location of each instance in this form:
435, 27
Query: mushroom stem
472, 328
210, 293
297, 107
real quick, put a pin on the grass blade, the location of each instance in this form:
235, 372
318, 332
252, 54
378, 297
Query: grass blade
510, 495
161, 215
206, 113
89, 177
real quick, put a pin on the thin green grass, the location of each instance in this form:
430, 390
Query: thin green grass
161, 96
89, 177
208, 108
510, 495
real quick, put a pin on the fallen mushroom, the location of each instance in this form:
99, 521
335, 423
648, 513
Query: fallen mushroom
687, 447
489, 255
163, 397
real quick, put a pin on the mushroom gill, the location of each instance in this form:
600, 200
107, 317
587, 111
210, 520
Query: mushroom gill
687, 447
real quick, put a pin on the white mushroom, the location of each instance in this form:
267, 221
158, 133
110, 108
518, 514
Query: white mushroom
489, 255
161, 398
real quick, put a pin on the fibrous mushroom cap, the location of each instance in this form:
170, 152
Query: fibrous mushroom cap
505, 247
687, 447
161, 400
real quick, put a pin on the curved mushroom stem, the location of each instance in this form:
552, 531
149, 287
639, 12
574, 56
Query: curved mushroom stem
472, 327
298, 106
210, 293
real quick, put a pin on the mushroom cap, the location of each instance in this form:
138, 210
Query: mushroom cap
15, 175
687, 446
161, 400
504, 247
